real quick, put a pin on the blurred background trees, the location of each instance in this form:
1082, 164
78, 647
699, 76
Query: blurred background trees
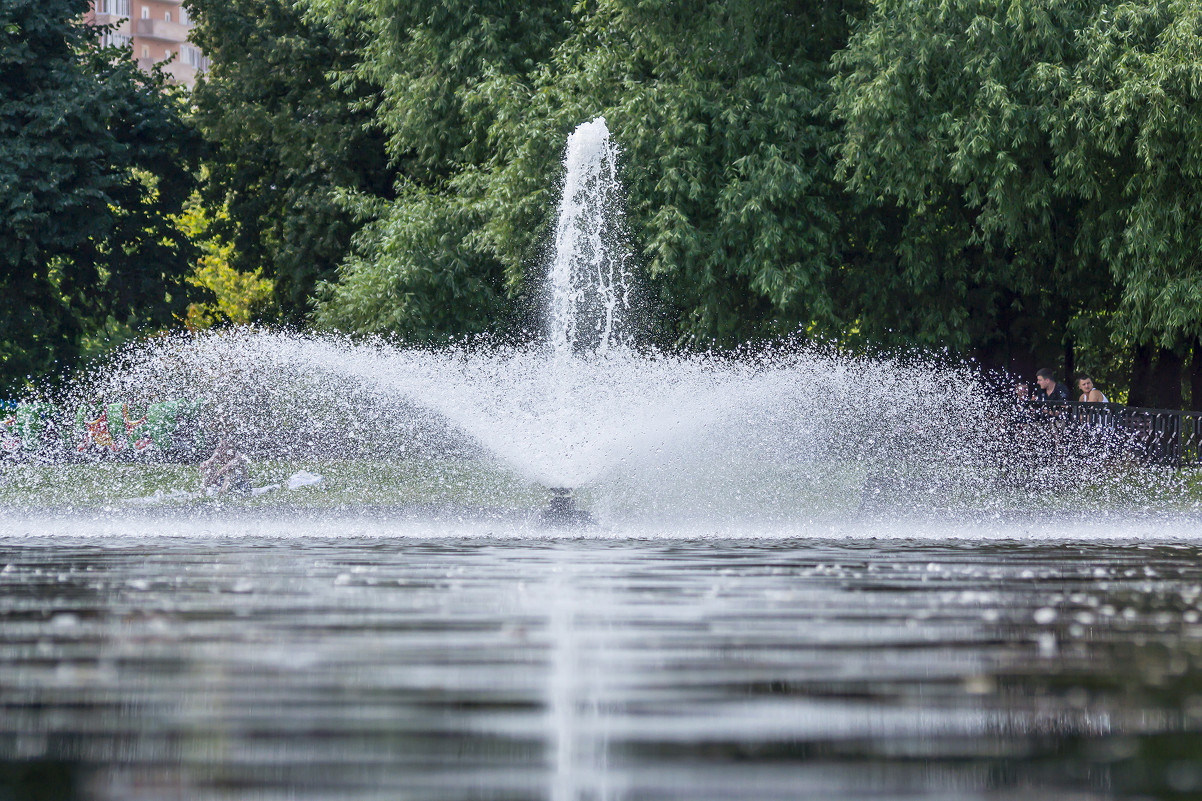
95, 157
1057, 145
288, 126
1010, 182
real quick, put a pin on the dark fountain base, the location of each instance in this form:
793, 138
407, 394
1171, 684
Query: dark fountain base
563, 511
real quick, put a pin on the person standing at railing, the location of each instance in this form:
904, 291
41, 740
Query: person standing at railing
1089, 392
1020, 412
1050, 388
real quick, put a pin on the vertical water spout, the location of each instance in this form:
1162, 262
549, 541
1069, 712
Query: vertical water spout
589, 276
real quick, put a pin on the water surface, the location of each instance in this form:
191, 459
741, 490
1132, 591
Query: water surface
255, 657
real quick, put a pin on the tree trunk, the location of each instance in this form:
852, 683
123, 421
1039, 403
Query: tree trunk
1070, 368
1195, 377
1141, 371
1166, 380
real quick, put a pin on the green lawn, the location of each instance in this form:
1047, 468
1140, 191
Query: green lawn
775, 491
349, 482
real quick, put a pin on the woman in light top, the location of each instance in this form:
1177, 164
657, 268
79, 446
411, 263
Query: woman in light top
1090, 393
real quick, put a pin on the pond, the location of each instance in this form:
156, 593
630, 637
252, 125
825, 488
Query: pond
307, 656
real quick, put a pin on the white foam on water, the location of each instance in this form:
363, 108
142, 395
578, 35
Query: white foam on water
116, 529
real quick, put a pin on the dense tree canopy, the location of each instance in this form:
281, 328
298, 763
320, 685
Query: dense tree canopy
1011, 181
1055, 146
287, 129
94, 157
426, 268
732, 204
947, 114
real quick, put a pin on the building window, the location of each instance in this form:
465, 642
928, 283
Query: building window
193, 57
167, 15
145, 51
114, 8
166, 55
113, 39
183, 15
145, 12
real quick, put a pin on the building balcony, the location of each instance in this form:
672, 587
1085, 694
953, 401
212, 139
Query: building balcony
123, 23
177, 72
161, 29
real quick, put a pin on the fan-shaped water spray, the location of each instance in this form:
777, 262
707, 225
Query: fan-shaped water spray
783, 433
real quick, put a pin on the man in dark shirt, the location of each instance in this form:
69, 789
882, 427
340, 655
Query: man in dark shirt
1050, 388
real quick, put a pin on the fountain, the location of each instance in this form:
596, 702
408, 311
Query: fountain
581, 569
589, 283
785, 434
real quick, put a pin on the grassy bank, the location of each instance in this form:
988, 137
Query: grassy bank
768, 491
344, 482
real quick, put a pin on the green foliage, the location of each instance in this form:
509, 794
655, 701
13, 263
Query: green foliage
427, 270
947, 115
287, 129
1136, 121
414, 274
716, 107
1050, 146
1006, 179
94, 158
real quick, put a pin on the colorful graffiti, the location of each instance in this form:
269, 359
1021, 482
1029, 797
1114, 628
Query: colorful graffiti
24, 426
116, 427
105, 428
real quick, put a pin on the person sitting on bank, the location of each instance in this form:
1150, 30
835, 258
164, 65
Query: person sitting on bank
227, 470
1089, 392
1050, 388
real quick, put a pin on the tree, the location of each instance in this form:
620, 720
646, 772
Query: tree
288, 130
425, 269
1054, 147
94, 160
947, 116
1136, 105
717, 107
238, 297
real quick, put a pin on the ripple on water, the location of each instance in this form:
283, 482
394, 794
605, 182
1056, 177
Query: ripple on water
477, 667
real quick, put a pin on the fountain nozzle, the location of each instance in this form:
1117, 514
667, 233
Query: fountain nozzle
563, 511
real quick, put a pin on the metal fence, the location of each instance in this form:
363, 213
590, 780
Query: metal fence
1160, 436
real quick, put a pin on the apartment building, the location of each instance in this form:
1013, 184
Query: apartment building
157, 30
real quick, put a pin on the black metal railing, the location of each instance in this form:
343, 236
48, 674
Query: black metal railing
1159, 436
